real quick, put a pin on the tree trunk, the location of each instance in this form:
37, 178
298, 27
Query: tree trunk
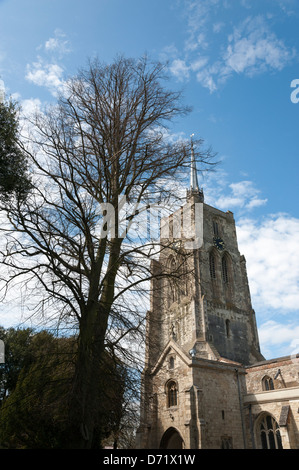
84, 402
84, 405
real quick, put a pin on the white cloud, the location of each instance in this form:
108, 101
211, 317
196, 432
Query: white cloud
283, 337
46, 75
199, 63
271, 248
47, 72
274, 333
270, 245
30, 106
288, 6
243, 196
179, 69
58, 44
168, 52
207, 80
253, 48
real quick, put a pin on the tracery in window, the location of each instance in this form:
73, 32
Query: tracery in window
269, 433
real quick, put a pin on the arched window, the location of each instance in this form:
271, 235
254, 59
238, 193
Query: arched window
225, 276
267, 383
172, 393
212, 266
171, 362
173, 292
269, 433
215, 228
172, 264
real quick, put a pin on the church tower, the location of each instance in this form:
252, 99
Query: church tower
201, 328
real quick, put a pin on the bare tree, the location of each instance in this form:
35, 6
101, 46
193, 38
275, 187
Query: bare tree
105, 142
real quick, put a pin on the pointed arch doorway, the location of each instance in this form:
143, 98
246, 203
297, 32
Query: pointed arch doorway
171, 439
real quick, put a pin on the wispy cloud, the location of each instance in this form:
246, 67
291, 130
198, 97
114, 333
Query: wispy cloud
179, 69
241, 196
58, 44
48, 71
251, 47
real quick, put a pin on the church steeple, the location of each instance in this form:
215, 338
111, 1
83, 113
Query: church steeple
194, 189
193, 175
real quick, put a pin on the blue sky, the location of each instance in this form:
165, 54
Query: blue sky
235, 61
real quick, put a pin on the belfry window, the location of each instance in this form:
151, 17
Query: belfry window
172, 393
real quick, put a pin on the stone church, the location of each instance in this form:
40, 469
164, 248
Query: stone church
206, 384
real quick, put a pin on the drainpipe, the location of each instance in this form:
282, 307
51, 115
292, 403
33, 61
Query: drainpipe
241, 408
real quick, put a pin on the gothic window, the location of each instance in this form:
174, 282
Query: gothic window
225, 276
172, 281
226, 443
267, 383
172, 264
212, 266
171, 362
269, 433
172, 393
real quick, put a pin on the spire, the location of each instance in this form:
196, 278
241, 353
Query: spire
194, 189
193, 176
